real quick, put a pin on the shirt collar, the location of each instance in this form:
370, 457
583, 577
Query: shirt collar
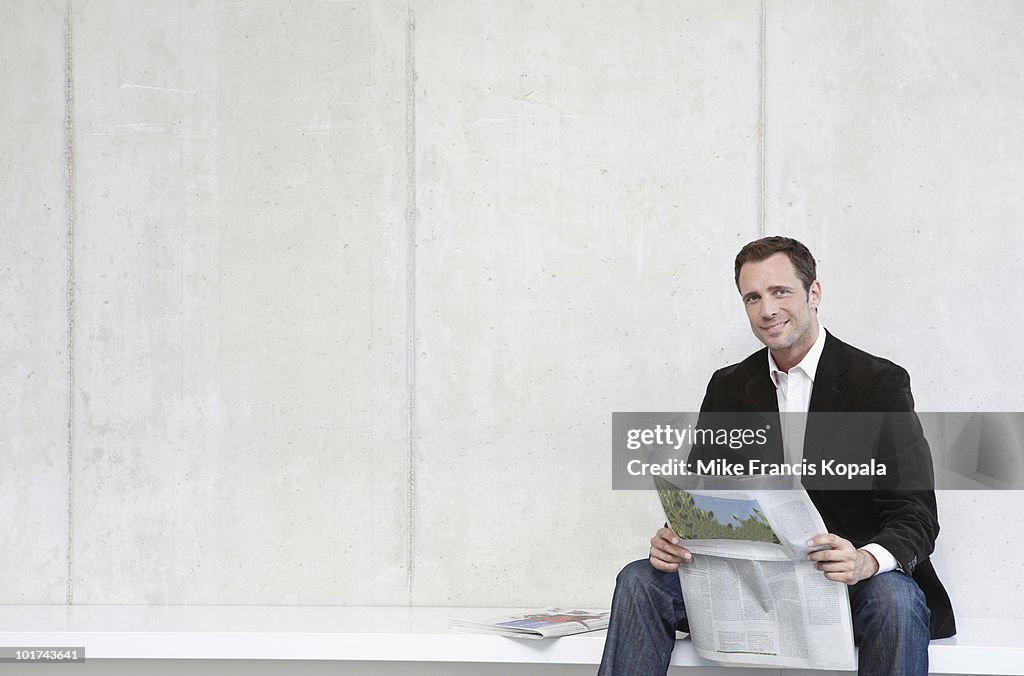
809, 364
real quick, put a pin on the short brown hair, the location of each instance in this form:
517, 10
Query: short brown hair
799, 255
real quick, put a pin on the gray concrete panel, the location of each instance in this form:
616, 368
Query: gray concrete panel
585, 174
33, 305
894, 144
241, 382
894, 150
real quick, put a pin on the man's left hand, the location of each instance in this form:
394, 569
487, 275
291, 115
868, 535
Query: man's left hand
844, 562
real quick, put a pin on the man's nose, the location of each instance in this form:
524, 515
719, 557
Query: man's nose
769, 308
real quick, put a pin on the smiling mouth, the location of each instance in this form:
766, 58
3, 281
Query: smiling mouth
775, 327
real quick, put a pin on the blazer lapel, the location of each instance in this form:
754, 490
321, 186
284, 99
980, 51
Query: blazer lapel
760, 391
826, 398
760, 394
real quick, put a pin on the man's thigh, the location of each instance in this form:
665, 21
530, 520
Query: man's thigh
888, 603
640, 580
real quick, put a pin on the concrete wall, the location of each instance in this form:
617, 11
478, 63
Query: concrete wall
330, 302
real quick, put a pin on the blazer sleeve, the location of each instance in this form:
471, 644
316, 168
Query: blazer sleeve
903, 500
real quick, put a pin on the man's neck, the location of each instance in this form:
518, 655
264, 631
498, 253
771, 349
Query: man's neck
787, 359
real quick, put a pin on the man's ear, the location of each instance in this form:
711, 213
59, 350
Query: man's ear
814, 294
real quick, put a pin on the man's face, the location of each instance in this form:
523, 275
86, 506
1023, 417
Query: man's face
782, 315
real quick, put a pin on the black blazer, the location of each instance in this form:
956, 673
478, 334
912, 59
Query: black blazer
905, 522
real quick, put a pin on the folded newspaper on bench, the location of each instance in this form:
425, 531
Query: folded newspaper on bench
751, 595
540, 624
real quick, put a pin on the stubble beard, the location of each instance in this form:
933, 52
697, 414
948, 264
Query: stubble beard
783, 342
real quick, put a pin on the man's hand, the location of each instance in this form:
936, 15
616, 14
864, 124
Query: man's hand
844, 562
666, 554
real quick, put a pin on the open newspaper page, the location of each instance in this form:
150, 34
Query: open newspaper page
549, 623
752, 597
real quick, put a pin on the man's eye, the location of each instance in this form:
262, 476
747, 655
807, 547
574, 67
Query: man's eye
781, 292
752, 299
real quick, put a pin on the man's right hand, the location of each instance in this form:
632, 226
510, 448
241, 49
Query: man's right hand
666, 554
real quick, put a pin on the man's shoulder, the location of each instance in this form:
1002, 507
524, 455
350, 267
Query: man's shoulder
841, 355
741, 372
838, 360
866, 381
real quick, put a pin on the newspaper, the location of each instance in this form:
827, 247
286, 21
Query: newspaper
752, 597
549, 623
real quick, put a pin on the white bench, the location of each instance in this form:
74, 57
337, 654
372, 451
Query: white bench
394, 635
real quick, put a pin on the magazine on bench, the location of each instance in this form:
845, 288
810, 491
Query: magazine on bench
752, 596
548, 623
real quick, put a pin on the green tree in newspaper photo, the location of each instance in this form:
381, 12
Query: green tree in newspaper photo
705, 518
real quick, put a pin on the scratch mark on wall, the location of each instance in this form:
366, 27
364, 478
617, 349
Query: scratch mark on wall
149, 127
324, 128
168, 90
537, 102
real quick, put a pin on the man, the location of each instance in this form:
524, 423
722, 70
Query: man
879, 539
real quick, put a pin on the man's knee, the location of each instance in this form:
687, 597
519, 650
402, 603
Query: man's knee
636, 574
642, 583
641, 590
889, 602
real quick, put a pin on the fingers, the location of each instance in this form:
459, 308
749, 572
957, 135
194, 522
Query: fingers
839, 548
833, 555
667, 542
829, 540
846, 572
848, 578
662, 565
837, 562
839, 567
838, 570
843, 562
667, 534
831, 560
665, 554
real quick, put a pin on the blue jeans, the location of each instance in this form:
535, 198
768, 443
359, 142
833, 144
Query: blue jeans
890, 623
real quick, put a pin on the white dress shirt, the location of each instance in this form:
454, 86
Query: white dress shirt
793, 390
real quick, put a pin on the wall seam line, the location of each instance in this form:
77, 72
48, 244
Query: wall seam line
69, 212
762, 123
410, 292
